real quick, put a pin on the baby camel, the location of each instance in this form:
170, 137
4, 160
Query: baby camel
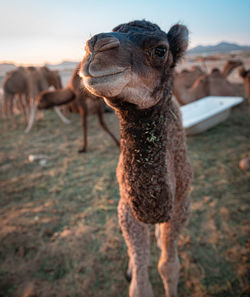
85, 100
132, 68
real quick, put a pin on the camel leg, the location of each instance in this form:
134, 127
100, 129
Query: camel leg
4, 106
11, 105
11, 110
168, 265
6, 103
103, 124
27, 102
136, 235
7, 106
23, 108
84, 113
18, 106
32, 116
61, 116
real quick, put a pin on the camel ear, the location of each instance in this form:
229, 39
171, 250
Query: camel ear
178, 40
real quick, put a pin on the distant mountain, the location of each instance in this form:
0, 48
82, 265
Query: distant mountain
66, 65
222, 47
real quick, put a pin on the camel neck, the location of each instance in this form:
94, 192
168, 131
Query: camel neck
144, 130
143, 148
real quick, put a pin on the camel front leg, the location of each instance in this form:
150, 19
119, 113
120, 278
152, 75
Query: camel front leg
136, 235
23, 108
11, 106
168, 265
5, 105
103, 124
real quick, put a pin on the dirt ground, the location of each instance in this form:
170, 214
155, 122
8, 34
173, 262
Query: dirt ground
59, 232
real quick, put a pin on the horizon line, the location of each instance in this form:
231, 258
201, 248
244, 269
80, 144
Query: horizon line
16, 63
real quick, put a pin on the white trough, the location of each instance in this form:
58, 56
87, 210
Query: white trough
207, 112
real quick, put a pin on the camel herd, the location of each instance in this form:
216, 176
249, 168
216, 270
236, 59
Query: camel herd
22, 86
193, 84
133, 69
27, 88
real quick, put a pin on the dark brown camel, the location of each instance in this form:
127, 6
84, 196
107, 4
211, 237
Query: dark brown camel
245, 75
76, 91
132, 68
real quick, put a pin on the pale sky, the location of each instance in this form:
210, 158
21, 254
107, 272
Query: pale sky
33, 32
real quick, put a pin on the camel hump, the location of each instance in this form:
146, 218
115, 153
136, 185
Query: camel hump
31, 68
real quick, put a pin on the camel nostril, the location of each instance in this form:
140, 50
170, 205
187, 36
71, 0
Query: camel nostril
106, 43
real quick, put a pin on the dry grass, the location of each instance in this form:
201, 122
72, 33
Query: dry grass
59, 232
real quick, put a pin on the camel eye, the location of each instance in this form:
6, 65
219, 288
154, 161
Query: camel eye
160, 51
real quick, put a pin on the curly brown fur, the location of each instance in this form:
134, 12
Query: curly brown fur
132, 68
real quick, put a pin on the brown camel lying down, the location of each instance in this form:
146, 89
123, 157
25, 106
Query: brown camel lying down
27, 83
190, 85
76, 91
132, 68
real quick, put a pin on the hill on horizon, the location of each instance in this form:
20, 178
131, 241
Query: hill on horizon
222, 47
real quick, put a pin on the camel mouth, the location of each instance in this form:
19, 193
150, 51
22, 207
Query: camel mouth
101, 74
42, 105
107, 76
107, 84
104, 78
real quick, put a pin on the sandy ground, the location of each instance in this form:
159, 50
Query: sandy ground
60, 236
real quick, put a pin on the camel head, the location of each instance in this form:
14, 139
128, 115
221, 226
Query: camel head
215, 72
44, 100
134, 63
234, 63
53, 77
230, 66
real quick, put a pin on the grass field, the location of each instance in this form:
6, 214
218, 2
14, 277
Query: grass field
59, 232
